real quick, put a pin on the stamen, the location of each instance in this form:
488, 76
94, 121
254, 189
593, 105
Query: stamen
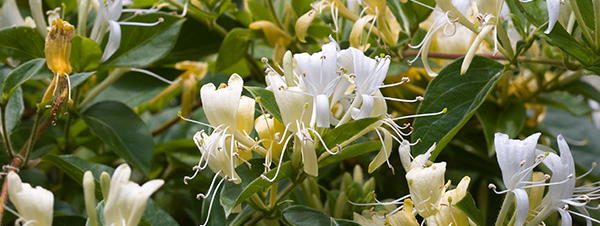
422, 115
493, 188
212, 201
404, 80
160, 20
423, 4
379, 203
210, 188
382, 141
194, 121
584, 216
279, 163
322, 141
417, 99
594, 164
152, 74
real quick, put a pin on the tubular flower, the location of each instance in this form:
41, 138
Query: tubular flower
107, 20
517, 159
276, 37
387, 24
405, 217
318, 74
34, 205
127, 200
563, 192
448, 214
270, 131
58, 55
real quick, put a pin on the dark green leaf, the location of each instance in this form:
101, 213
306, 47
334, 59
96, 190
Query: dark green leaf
74, 167
20, 75
85, 54
234, 48
305, 216
585, 89
260, 10
123, 131
142, 46
155, 216
21, 43
467, 205
351, 151
259, 184
460, 94
348, 131
231, 191
579, 132
577, 105
79, 78
68, 220
512, 119
14, 110
265, 98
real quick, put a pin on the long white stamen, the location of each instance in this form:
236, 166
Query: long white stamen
322, 141
379, 203
594, 164
279, 163
422, 4
584, 216
210, 188
212, 199
152, 74
404, 80
382, 141
422, 115
417, 99
195, 122
140, 24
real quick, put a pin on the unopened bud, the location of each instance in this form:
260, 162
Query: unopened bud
58, 47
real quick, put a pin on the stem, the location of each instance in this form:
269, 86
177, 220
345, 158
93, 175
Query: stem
5, 136
584, 29
109, 80
506, 204
597, 24
273, 196
411, 53
272, 9
15, 164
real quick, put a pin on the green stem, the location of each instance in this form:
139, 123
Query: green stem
109, 80
597, 24
506, 205
272, 9
584, 28
5, 136
34, 134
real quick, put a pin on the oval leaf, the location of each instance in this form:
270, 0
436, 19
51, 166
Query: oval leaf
234, 48
123, 130
85, 54
21, 43
266, 98
20, 75
461, 95
142, 46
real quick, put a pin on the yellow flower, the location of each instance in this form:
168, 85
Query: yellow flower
58, 47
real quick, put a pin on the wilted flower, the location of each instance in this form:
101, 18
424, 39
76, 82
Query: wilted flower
34, 205
58, 55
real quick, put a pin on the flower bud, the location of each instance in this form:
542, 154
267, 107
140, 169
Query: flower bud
89, 193
58, 47
426, 185
303, 23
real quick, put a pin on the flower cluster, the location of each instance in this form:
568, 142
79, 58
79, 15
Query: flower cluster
124, 201
314, 93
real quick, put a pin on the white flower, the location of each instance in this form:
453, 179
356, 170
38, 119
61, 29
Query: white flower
426, 185
227, 107
448, 214
107, 17
368, 75
517, 159
218, 153
562, 192
35, 205
127, 200
319, 77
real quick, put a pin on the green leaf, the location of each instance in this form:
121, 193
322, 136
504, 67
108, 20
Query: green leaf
467, 205
460, 94
155, 216
256, 185
20, 75
260, 10
79, 78
142, 46
21, 43
75, 167
68, 220
123, 131
512, 119
585, 89
85, 54
234, 48
231, 191
351, 151
579, 132
349, 131
14, 110
304, 216
577, 105
266, 98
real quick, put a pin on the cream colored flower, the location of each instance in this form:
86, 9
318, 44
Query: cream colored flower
34, 205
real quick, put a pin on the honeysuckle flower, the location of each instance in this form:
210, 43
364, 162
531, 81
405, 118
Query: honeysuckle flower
10, 16
517, 159
404, 215
270, 131
89, 194
107, 19
447, 16
426, 186
275, 36
34, 205
386, 23
562, 190
319, 77
127, 200
336, 7
448, 214
58, 54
